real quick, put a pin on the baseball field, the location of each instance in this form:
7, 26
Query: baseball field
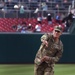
28, 69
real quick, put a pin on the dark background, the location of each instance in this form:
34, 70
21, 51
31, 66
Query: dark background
22, 48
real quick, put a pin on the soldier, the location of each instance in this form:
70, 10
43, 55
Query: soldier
49, 52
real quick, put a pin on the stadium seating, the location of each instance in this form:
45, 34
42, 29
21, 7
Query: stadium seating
7, 23
10, 18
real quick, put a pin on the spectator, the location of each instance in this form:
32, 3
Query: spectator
23, 30
2, 4
68, 21
39, 18
14, 27
58, 18
29, 28
44, 8
22, 9
49, 19
70, 17
38, 28
19, 27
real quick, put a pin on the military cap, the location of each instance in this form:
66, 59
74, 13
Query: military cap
58, 28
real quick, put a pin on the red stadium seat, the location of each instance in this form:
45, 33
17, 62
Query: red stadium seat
7, 23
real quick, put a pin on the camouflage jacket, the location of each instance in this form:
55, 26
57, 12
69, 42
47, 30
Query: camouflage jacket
54, 50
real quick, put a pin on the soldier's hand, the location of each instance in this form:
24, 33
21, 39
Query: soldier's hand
45, 58
45, 43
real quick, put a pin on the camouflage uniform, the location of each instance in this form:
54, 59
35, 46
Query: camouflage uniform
54, 51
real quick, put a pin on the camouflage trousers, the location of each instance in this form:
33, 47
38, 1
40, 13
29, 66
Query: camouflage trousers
43, 69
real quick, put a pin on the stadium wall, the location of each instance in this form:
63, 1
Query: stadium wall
21, 48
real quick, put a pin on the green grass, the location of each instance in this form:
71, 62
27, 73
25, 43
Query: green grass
24, 69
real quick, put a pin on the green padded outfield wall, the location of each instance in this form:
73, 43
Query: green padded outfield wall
21, 48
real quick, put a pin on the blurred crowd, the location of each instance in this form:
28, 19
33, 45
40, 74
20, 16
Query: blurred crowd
59, 18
